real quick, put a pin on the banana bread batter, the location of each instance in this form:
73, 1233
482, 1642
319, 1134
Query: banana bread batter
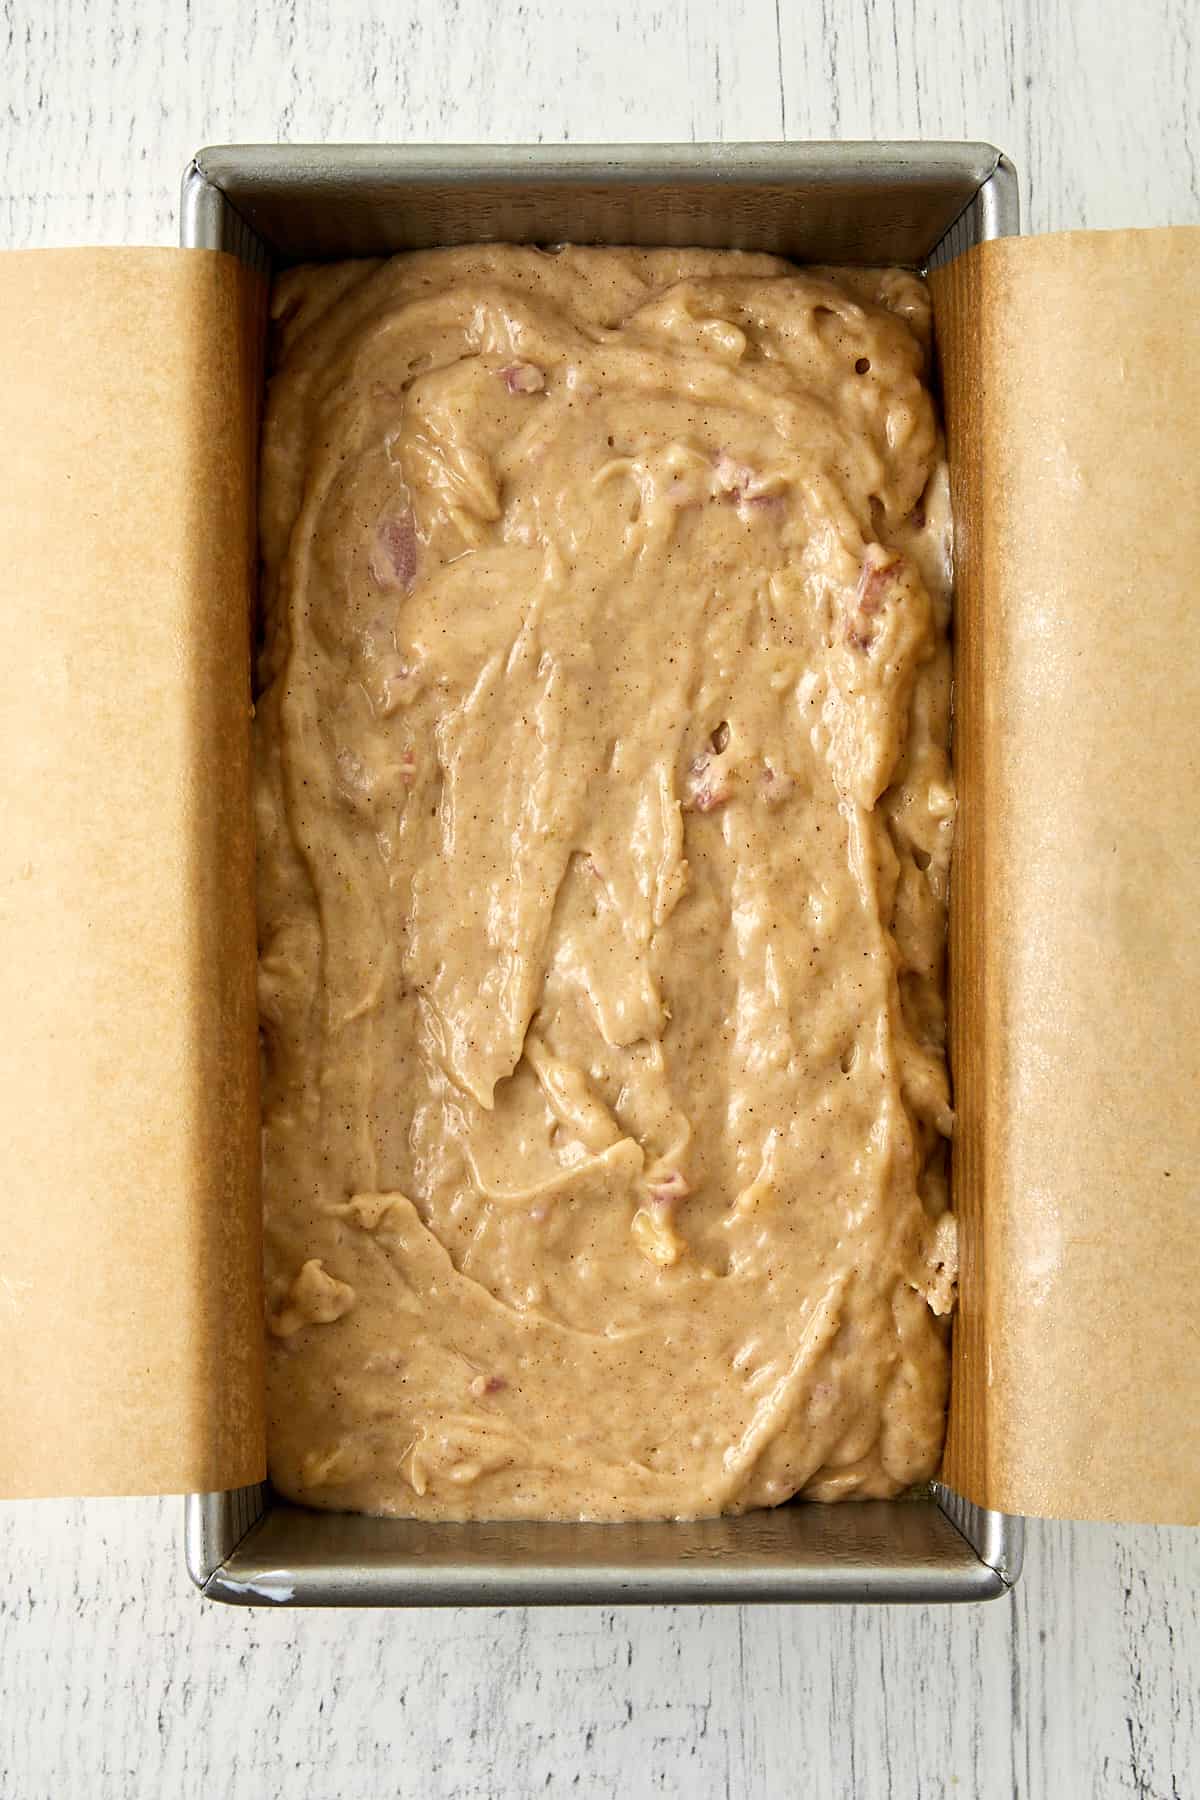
604, 821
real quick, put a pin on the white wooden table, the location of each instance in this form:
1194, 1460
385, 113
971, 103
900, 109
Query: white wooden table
115, 1679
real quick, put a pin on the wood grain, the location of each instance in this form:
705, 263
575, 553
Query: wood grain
115, 1679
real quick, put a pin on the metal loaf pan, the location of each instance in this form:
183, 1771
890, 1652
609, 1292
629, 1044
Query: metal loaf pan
911, 204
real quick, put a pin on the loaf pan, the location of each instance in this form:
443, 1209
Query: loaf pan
916, 205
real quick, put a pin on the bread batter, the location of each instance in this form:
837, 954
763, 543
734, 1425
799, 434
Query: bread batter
604, 820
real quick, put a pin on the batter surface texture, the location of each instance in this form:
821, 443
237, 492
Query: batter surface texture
604, 820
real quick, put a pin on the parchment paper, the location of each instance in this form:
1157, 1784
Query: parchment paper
130, 1282
130, 1306
1072, 378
